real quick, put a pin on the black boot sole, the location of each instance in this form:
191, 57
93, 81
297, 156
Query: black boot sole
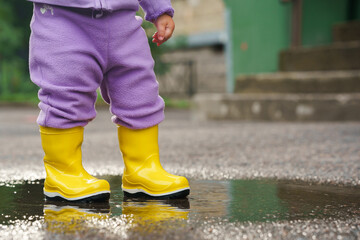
177, 195
103, 197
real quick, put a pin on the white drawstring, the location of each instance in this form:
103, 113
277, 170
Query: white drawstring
97, 13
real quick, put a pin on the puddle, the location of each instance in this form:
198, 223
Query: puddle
233, 201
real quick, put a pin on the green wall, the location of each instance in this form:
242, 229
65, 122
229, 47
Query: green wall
318, 18
259, 30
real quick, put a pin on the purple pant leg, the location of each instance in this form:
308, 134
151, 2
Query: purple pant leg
66, 65
130, 83
72, 53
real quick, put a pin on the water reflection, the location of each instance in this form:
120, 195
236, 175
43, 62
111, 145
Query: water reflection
155, 211
21, 202
63, 218
255, 200
236, 200
310, 202
261, 200
140, 216
155, 216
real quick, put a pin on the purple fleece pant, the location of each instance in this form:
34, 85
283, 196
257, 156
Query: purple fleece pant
75, 51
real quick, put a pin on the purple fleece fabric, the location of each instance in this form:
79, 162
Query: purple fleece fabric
72, 53
152, 8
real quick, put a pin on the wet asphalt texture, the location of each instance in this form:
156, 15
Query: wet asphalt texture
325, 153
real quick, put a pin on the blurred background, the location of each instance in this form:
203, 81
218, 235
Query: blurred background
15, 85
233, 59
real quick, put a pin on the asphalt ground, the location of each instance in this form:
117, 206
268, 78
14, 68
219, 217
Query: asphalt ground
323, 152
316, 153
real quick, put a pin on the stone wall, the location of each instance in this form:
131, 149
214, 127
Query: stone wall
198, 16
210, 69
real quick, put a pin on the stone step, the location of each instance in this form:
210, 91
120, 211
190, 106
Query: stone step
345, 32
278, 107
337, 56
300, 82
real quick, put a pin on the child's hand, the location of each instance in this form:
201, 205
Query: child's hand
165, 26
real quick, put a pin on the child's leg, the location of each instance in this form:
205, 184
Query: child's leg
67, 67
130, 83
132, 90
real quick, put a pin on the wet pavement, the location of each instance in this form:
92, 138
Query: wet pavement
226, 202
248, 181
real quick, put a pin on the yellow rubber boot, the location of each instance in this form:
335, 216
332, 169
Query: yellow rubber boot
143, 173
65, 176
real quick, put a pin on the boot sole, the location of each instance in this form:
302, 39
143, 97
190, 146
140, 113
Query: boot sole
175, 195
97, 197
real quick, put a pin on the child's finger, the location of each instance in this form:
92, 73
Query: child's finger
155, 37
155, 40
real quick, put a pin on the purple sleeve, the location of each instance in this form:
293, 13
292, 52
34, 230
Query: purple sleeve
155, 8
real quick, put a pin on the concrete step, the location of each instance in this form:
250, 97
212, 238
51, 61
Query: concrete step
300, 82
345, 32
278, 107
337, 56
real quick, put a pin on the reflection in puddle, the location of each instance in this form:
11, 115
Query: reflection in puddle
70, 219
235, 200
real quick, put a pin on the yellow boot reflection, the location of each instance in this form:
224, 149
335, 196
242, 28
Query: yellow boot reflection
68, 219
146, 216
